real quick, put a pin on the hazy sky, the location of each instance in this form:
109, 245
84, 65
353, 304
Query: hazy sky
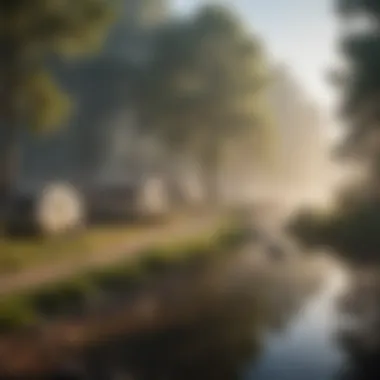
300, 33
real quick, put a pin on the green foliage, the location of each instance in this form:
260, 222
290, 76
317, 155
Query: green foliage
353, 232
199, 249
30, 33
352, 227
360, 81
155, 261
363, 86
45, 26
116, 279
310, 228
47, 106
15, 313
62, 297
205, 83
352, 7
71, 295
232, 238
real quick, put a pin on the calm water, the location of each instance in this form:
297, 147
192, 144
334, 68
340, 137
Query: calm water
249, 321
306, 349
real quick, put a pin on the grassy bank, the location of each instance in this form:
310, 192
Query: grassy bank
74, 294
18, 254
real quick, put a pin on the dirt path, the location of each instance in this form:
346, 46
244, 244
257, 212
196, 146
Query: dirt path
186, 228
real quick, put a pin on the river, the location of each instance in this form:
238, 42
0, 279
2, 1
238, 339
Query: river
242, 319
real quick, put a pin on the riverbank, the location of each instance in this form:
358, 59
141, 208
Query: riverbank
18, 254
114, 308
51, 261
79, 291
181, 295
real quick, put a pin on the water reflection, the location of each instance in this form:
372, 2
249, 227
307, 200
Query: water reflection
217, 344
247, 315
360, 336
210, 350
248, 322
307, 350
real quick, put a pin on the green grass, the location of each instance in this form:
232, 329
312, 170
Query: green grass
16, 312
19, 254
117, 279
62, 297
58, 299
24, 253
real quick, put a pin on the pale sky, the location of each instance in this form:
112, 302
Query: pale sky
300, 33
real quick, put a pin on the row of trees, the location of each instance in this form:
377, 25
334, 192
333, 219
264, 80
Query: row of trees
352, 226
360, 82
203, 88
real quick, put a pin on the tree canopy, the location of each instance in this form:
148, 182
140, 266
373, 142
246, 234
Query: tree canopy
351, 227
360, 83
32, 32
207, 73
353, 7
206, 82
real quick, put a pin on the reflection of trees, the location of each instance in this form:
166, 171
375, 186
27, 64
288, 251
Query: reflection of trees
214, 318
279, 319
217, 347
285, 302
219, 344
361, 342
362, 366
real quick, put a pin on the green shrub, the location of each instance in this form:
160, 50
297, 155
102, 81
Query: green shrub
231, 238
310, 228
116, 279
352, 231
157, 260
62, 297
356, 232
15, 313
199, 249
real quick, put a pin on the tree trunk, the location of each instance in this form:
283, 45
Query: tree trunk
9, 134
9, 165
9, 161
210, 166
